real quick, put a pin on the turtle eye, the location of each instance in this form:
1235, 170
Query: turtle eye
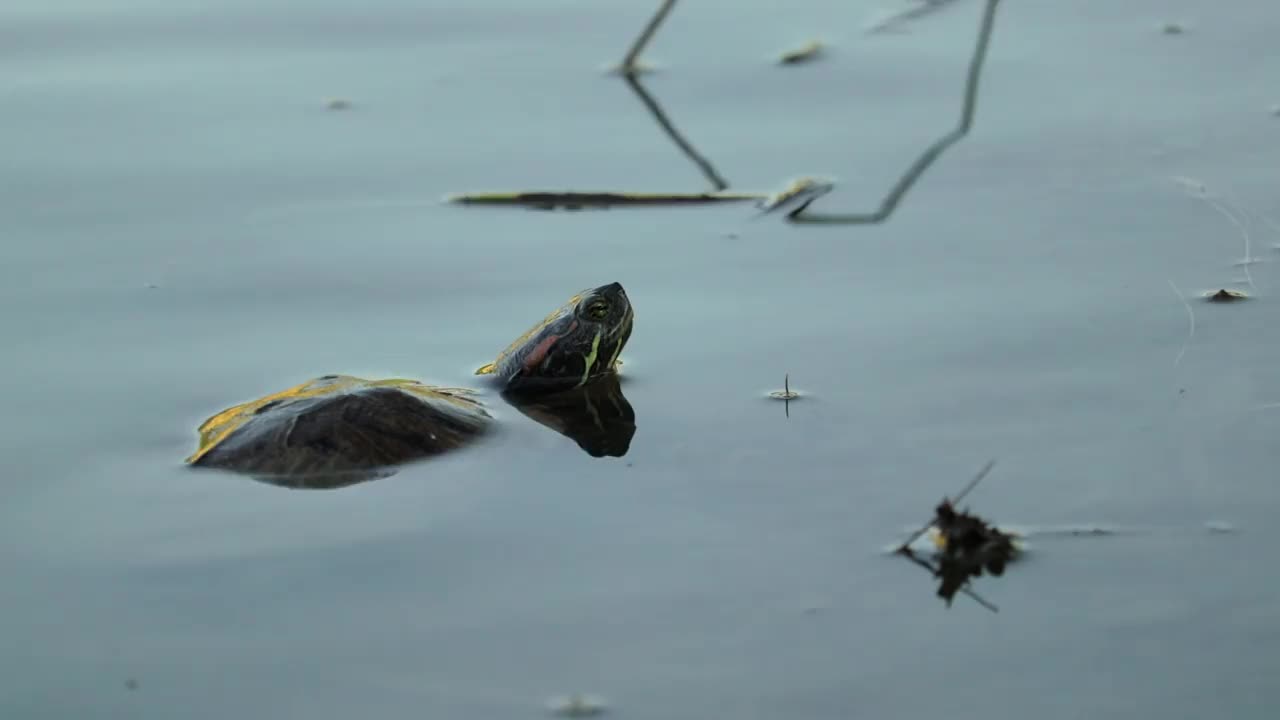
598, 310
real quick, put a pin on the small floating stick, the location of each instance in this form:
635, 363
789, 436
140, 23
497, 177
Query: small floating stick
797, 191
575, 200
785, 394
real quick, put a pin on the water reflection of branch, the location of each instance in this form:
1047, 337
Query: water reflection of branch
925, 7
933, 152
717, 181
935, 571
630, 70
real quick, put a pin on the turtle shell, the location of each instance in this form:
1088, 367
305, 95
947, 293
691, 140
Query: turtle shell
338, 430
579, 341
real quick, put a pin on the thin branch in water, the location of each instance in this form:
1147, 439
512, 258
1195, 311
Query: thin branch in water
578, 200
785, 394
933, 152
786, 388
708, 171
973, 483
629, 66
1191, 323
986, 469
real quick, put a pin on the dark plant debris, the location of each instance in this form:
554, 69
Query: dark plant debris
1226, 296
966, 546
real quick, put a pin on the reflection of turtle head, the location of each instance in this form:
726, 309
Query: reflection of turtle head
578, 342
597, 415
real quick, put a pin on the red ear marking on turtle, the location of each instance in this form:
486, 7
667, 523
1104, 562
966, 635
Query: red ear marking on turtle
539, 351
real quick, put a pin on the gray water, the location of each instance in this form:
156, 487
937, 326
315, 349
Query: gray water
186, 226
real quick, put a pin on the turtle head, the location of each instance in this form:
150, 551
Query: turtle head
583, 343
606, 309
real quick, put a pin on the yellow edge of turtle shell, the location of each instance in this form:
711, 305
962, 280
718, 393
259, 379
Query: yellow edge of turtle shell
219, 426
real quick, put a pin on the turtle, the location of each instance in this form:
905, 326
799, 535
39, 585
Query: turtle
338, 430
597, 325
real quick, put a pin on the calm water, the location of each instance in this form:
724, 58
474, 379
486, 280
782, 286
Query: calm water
186, 226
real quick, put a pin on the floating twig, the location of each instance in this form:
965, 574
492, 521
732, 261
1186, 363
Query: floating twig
800, 190
786, 394
574, 200
931, 153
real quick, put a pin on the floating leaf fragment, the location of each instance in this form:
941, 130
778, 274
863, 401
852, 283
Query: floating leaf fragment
796, 194
811, 50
